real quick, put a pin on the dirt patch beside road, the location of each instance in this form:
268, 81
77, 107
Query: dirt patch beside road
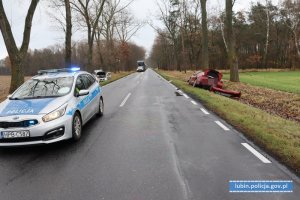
283, 104
4, 86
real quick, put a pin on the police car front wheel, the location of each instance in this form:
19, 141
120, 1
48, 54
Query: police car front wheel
101, 108
76, 127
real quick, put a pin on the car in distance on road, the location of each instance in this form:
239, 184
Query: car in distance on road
141, 66
102, 75
140, 69
50, 107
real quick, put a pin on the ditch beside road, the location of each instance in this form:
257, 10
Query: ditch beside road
278, 136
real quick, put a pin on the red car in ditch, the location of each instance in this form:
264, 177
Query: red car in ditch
207, 79
211, 80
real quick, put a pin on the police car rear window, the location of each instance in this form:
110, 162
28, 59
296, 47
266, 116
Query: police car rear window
44, 88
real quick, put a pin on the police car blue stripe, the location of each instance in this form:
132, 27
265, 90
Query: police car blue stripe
25, 107
83, 103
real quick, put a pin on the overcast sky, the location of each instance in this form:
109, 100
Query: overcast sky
44, 34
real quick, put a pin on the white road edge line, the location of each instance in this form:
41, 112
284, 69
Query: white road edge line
124, 101
256, 153
186, 96
194, 102
222, 126
204, 111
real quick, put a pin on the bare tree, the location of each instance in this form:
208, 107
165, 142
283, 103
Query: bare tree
232, 59
268, 21
183, 31
90, 11
126, 27
291, 15
205, 57
68, 38
62, 15
169, 15
17, 55
107, 28
221, 20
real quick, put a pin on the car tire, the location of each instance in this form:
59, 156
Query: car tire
76, 127
101, 108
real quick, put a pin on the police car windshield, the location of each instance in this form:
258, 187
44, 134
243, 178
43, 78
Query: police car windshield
44, 88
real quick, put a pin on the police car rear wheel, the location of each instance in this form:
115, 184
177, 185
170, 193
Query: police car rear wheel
77, 127
101, 108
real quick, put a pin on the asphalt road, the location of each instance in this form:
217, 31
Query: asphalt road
151, 144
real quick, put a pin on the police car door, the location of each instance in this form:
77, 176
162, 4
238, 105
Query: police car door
82, 101
94, 94
94, 97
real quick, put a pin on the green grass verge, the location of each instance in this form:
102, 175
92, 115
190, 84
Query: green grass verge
284, 81
115, 77
279, 137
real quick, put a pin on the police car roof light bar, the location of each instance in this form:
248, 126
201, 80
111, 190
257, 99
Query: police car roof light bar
48, 71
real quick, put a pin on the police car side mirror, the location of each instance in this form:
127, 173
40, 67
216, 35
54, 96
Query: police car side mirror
83, 93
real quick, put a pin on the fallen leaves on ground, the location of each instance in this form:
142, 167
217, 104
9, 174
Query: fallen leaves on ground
283, 104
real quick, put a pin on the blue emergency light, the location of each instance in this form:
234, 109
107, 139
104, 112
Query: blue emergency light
49, 71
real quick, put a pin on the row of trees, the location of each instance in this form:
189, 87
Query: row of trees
266, 36
54, 57
107, 24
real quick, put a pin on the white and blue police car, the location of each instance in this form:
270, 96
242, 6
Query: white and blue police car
50, 107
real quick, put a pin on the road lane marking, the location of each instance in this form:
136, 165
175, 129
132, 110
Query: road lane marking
194, 102
256, 153
222, 126
186, 96
204, 111
124, 101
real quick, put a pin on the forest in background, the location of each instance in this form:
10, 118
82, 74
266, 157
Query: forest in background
107, 27
124, 58
266, 36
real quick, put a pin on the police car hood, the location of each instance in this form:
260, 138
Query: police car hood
31, 106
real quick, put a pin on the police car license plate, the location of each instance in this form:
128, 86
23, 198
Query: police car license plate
14, 134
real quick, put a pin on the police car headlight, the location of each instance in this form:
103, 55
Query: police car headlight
55, 114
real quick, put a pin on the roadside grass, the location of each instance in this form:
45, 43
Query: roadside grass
279, 137
115, 77
288, 81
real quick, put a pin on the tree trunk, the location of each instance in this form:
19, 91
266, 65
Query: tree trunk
68, 42
296, 43
223, 35
205, 55
232, 60
17, 56
175, 52
90, 57
17, 73
265, 61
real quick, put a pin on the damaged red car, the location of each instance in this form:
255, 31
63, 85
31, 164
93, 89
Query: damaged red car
206, 79
211, 80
